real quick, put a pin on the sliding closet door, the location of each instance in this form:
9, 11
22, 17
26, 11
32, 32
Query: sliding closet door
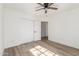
25, 31
18, 31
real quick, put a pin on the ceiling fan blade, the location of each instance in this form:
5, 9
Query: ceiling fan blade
50, 4
54, 8
40, 4
40, 9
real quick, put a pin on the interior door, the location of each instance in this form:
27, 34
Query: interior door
37, 30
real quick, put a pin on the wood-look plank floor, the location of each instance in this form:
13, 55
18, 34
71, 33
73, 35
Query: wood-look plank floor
63, 49
23, 50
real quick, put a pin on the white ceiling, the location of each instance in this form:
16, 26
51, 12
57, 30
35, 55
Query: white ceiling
30, 8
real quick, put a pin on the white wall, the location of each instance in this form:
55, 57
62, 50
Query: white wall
18, 27
47, 29
1, 39
64, 28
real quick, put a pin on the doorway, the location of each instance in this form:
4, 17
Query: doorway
44, 30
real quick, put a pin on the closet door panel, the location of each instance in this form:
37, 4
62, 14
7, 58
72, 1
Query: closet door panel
25, 31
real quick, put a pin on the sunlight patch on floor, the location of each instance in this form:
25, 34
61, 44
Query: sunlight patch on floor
41, 51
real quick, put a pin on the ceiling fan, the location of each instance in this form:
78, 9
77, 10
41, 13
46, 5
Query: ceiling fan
46, 6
